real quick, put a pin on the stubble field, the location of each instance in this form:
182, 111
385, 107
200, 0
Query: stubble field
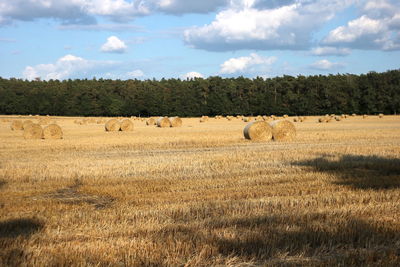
202, 195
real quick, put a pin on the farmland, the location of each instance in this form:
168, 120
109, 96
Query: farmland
201, 195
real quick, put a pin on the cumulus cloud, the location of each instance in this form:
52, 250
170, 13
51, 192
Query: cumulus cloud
135, 73
378, 28
192, 75
114, 45
326, 65
330, 51
85, 11
68, 66
245, 26
252, 63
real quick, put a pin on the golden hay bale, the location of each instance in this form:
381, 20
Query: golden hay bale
126, 125
33, 131
163, 122
52, 131
365, 116
296, 119
112, 125
259, 118
285, 116
353, 115
175, 122
150, 121
380, 115
26, 123
258, 131
44, 121
205, 118
17, 125
323, 119
283, 130
337, 118
246, 119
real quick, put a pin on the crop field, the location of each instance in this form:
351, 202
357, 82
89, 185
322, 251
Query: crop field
201, 195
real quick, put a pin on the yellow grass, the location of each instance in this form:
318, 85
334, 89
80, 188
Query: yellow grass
202, 195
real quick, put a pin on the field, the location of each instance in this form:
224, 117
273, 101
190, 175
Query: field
202, 195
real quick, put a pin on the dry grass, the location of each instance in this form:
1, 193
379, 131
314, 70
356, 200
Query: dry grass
202, 195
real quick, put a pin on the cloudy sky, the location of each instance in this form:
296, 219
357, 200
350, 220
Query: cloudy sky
145, 39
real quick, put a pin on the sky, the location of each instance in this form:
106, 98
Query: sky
146, 39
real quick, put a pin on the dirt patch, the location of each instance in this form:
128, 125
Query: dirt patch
70, 195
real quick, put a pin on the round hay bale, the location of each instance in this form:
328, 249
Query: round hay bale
163, 122
52, 131
380, 115
365, 116
296, 119
258, 131
17, 126
126, 125
33, 131
175, 122
285, 116
246, 119
112, 125
323, 119
283, 130
354, 114
150, 121
26, 123
337, 118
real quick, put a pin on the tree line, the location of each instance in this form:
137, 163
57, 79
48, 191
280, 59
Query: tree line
369, 93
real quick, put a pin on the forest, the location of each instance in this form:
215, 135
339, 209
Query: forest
369, 93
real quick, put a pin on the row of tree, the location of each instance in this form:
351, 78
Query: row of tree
312, 95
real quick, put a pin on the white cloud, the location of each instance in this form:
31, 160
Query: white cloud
245, 26
68, 66
192, 75
135, 73
86, 11
326, 65
252, 63
114, 45
330, 51
378, 28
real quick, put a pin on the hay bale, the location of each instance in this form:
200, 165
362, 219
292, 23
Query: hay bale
365, 116
283, 130
26, 123
175, 122
112, 125
33, 131
353, 114
296, 119
258, 131
337, 118
150, 121
126, 125
285, 116
323, 119
52, 131
246, 119
163, 122
380, 115
17, 126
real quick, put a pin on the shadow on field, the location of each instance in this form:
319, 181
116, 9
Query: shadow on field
13, 234
316, 238
359, 172
2, 183
19, 227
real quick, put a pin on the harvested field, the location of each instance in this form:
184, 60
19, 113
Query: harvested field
202, 195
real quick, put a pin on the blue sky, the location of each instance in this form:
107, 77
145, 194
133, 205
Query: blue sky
145, 39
